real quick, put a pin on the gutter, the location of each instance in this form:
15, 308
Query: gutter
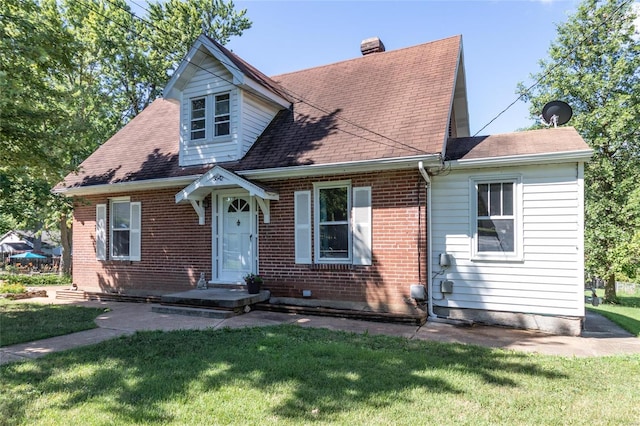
127, 186
521, 160
427, 181
396, 163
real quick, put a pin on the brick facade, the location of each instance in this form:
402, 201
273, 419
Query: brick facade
175, 249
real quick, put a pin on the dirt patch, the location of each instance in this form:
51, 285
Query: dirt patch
26, 295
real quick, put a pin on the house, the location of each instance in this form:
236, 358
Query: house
354, 185
17, 241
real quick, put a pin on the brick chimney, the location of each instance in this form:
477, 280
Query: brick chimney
371, 45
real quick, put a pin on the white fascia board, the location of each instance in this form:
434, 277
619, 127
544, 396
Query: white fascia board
238, 76
257, 88
431, 160
127, 186
170, 91
516, 160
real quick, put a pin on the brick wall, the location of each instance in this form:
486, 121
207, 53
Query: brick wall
175, 249
398, 223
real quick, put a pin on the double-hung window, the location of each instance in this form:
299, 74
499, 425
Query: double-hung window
123, 230
333, 232
198, 118
210, 117
341, 224
221, 115
495, 219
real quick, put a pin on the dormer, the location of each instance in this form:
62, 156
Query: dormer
225, 104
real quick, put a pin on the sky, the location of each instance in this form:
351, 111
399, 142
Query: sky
503, 41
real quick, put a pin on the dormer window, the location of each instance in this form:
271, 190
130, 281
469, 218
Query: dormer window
221, 115
198, 118
203, 110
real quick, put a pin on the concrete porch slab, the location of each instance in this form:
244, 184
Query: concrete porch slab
231, 298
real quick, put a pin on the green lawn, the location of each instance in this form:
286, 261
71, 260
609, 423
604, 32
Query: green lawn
625, 313
24, 322
291, 375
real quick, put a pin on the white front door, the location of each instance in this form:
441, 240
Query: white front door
235, 238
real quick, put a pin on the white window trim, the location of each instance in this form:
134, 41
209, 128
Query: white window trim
517, 255
216, 115
210, 115
317, 186
191, 119
132, 230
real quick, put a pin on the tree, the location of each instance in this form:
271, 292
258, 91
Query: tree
594, 65
71, 74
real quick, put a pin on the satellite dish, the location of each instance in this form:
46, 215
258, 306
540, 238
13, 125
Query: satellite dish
556, 113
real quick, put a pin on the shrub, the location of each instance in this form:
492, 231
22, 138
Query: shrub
11, 288
38, 280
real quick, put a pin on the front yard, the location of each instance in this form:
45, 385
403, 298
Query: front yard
291, 375
25, 322
625, 313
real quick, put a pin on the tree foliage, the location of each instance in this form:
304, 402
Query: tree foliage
71, 74
594, 65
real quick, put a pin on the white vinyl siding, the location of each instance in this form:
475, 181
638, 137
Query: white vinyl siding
256, 116
101, 232
247, 118
548, 277
210, 79
302, 215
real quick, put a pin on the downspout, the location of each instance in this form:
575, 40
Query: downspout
427, 181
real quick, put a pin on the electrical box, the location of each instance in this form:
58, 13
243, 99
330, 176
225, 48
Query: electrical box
444, 260
418, 292
446, 287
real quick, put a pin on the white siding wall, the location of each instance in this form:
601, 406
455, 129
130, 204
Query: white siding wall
256, 116
549, 279
249, 117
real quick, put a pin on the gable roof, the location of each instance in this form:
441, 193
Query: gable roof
393, 104
146, 148
244, 75
383, 105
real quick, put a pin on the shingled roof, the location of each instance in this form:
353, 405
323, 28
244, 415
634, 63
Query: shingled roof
146, 148
379, 106
383, 105
533, 142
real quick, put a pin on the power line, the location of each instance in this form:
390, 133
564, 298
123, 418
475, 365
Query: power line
557, 64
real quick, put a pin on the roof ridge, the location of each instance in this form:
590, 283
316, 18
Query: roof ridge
254, 72
387, 52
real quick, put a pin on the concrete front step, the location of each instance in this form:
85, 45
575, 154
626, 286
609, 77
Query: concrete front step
193, 312
225, 298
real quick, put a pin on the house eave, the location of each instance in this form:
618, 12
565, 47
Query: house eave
519, 160
345, 167
241, 80
258, 89
110, 188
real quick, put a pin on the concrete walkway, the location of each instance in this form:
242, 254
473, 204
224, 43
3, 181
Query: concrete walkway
601, 336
